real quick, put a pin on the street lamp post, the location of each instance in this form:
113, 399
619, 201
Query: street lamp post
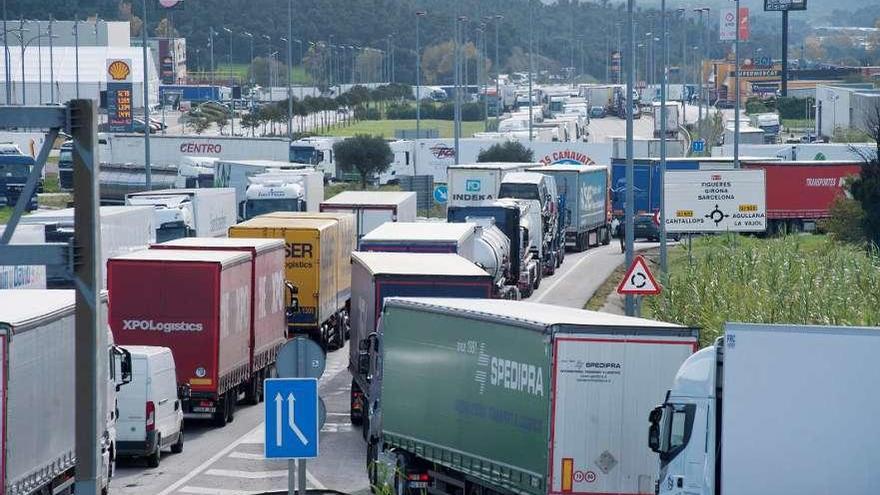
736, 83
51, 61
148, 177
630, 66
289, 76
499, 102
663, 130
531, 63
251, 71
76, 54
419, 15
6, 58
231, 83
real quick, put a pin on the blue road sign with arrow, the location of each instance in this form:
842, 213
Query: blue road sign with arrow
441, 194
292, 418
698, 146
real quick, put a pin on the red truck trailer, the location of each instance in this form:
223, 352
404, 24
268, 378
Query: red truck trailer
268, 320
198, 304
800, 193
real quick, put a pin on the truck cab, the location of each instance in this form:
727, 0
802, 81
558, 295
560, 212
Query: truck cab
533, 186
273, 196
316, 151
173, 215
14, 171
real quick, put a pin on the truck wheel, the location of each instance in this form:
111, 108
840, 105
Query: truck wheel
356, 413
538, 279
177, 448
154, 458
230, 398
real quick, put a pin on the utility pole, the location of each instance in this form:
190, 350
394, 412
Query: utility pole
51, 61
499, 101
531, 64
419, 15
700, 85
736, 78
629, 231
211, 46
76, 52
289, 69
663, 130
147, 164
784, 88
456, 130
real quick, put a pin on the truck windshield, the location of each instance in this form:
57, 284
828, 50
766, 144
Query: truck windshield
519, 191
256, 207
66, 157
14, 171
304, 154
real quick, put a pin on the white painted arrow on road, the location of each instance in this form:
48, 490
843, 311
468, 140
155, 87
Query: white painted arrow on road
291, 420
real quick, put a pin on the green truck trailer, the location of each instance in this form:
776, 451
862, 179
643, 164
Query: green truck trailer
475, 396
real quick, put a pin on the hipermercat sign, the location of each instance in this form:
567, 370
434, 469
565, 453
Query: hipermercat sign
715, 201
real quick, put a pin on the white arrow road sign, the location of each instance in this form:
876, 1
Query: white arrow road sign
292, 422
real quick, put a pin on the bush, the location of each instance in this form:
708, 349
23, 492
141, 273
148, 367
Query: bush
361, 113
508, 151
795, 108
845, 222
757, 105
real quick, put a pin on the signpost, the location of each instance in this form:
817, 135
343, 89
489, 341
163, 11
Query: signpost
715, 201
119, 95
294, 411
441, 194
784, 6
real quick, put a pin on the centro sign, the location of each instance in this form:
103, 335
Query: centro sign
715, 201
190, 147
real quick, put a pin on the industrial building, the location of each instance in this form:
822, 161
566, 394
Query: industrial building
844, 106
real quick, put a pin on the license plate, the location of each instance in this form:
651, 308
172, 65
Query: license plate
418, 484
203, 409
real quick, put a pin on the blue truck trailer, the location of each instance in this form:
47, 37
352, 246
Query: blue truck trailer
584, 203
191, 93
378, 275
647, 180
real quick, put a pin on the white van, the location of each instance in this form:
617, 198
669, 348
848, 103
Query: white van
150, 415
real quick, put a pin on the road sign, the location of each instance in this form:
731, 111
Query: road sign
300, 357
698, 146
441, 193
727, 31
715, 201
292, 418
781, 5
638, 280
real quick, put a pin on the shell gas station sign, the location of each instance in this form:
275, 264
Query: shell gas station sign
119, 95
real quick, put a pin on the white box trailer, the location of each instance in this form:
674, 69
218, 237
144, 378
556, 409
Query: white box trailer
422, 237
476, 183
434, 156
798, 414
170, 149
38, 393
124, 229
24, 276
189, 212
373, 208
235, 174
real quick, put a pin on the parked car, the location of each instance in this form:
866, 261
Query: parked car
158, 124
597, 112
150, 412
137, 125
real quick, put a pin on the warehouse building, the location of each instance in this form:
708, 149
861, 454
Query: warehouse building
844, 106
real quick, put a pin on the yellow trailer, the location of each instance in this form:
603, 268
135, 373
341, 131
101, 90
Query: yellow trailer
311, 259
347, 243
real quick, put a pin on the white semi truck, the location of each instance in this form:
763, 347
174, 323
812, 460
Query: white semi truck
170, 150
37, 385
189, 212
284, 190
782, 409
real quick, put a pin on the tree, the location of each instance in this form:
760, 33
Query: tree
866, 188
165, 30
509, 151
367, 155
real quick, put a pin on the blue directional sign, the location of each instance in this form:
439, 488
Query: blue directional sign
292, 418
441, 193
698, 146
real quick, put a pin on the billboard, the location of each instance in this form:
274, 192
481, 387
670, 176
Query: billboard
782, 5
728, 27
119, 95
715, 201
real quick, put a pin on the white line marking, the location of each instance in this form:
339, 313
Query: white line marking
314, 481
249, 475
200, 490
246, 455
338, 414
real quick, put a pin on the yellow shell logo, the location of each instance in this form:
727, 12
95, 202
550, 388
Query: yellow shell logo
119, 70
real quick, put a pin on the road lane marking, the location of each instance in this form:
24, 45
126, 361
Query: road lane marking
559, 280
246, 455
200, 490
249, 475
336, 427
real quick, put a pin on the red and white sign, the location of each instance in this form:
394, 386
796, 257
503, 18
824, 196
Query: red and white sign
744, 24
728, 27
638, 280
656, 218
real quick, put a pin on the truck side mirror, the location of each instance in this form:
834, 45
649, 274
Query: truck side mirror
124, 366
293, 308
654, 430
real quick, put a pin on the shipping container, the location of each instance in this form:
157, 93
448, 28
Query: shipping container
196, 303
347, 244
783, 409
124, 229
584, 202
800, 193
312, 254
517, 397
268, 325
377, 275
24, 276
372, 209
422, 237
38, 392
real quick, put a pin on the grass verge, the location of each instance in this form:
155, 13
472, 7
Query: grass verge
386, 128
798, 280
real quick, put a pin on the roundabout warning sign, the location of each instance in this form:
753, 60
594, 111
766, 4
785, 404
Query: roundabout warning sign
638, 280
715, 201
